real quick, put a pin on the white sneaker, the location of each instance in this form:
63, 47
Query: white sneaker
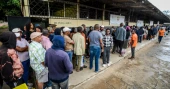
104, 65
109, 64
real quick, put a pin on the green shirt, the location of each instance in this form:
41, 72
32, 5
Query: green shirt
37, 56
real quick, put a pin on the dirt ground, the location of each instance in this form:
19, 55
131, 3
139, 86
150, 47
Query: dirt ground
150, 70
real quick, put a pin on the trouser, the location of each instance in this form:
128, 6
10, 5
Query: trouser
62, 85
120, 44
74, 63
160, 38
78, 59
140, 38
133, 51
106, 56
95, 52
26, 65
70, 54
1, 82
82, 62
115, 46
148, 37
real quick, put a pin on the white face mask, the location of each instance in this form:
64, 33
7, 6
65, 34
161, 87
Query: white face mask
17, 34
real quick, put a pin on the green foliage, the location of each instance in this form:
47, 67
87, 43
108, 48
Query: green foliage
69, 12
4, 27
10, 8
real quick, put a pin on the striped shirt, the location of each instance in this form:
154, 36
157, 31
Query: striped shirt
108, 41
37, 56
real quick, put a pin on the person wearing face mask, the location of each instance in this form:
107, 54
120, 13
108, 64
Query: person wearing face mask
22, 52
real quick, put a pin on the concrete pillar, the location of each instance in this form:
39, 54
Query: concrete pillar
78, 9
96, 14
103, 18
49, 14
26, 8
64, 10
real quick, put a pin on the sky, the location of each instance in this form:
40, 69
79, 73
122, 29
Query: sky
161, 4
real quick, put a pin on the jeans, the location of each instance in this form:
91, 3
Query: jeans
62, 85
70, 54
106, 56
26, 65
95, 52
160, 38
133, 51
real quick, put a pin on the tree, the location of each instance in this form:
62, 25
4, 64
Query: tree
10, 8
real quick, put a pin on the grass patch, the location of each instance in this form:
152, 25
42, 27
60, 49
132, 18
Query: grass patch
4, 27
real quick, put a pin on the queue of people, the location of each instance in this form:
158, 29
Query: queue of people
54, 53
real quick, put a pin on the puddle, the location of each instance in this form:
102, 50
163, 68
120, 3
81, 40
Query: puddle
164, 54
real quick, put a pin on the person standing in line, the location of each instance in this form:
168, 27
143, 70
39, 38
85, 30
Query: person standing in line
115, 47
79, 47
161, 34
22, 52
149, 33
29, 30
140, 34
73, 31
102, 30
11, 69
90, 30
38, 29
125, 45
82, 61
145, 32
58, 63
52, 30
134, 41
120, 35
37, 58
68, 43
108, 44
95, 38
46, 43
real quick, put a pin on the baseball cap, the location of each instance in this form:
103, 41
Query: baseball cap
35, 34
66, 29
16, 30
102, 26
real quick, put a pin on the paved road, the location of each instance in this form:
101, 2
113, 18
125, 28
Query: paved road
150, 70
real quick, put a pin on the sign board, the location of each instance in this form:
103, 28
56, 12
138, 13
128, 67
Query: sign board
116, 19
140, 23
151, 23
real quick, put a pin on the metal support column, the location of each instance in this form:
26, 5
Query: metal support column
103, 18
49, 9
64, 10
78, 9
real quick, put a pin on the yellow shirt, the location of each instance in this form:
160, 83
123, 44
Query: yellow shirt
79, 44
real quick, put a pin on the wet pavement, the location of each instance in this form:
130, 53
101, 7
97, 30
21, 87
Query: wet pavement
150, 70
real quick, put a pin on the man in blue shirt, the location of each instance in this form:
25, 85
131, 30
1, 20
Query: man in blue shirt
95, 39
